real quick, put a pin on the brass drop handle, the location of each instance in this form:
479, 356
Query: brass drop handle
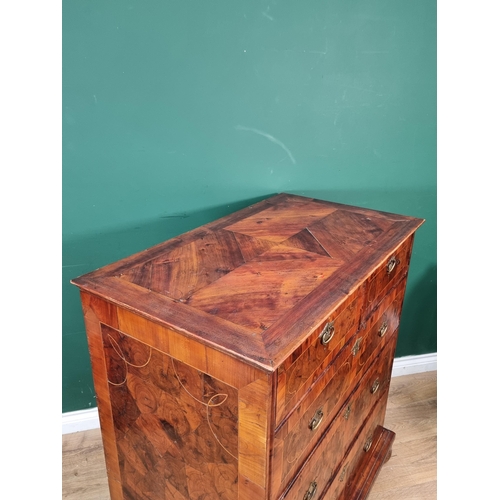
375, 386
311, 491
316, 420
392, 264
368, 443
327, 333
383, 329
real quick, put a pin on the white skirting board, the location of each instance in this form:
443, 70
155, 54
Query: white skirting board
84, 420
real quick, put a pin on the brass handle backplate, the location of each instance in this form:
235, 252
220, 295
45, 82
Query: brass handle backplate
368, 443
311, 491
392, 264
355, 348
375, 386
347, 412
327, 333
343, 473
383, 329
316, 420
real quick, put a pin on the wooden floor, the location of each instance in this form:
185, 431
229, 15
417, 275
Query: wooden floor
410, 474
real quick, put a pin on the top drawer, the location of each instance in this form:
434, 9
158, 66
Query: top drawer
385, 276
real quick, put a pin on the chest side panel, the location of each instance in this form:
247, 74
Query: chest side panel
176, 427
172, 428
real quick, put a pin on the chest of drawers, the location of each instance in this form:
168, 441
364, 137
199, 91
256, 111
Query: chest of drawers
250, 358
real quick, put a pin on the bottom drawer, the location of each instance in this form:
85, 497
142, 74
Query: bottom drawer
359, 482
318, 481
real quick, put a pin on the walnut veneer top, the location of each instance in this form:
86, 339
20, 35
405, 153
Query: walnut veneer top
255, 283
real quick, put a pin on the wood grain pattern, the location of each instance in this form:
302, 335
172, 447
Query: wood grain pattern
220, 365
258, 293
254, 428
176, 427
281, 221
190, 267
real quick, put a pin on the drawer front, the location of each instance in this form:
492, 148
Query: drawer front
340, 486
386, 275
298, 373
378, 329
324, 414
385, 317
327, 463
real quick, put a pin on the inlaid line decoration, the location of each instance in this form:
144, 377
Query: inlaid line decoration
118, 350
208, 405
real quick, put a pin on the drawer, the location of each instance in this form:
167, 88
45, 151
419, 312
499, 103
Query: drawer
376, 331
386, 275
355, 483
301, 370
332, 413
354, 476
332, 461
385, 317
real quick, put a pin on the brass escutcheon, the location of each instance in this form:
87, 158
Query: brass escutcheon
355, 348
316, 420
375, 386
327, 333
392, 264
383, 329
368, 443
311, 491
347, 412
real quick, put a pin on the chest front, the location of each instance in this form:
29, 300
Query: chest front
251, 358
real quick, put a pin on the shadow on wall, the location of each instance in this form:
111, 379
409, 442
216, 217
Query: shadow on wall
419, 316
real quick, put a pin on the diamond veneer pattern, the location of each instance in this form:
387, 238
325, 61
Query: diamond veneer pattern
273, 283
260, 261
280, 222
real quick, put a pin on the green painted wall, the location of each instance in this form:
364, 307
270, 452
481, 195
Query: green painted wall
177, 112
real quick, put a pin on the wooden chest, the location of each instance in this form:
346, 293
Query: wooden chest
251, 358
